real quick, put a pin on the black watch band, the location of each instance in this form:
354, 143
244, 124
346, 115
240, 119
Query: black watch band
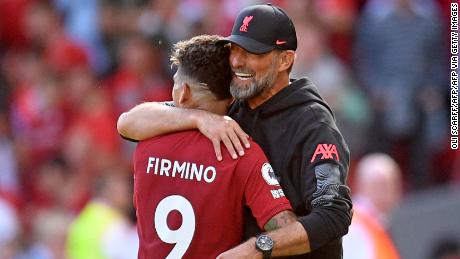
264, 244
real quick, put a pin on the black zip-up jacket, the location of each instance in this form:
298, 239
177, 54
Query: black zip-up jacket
297, 131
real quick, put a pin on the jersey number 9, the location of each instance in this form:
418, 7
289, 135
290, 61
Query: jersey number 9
182, 236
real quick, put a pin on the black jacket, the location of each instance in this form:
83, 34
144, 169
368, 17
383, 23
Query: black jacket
297, 131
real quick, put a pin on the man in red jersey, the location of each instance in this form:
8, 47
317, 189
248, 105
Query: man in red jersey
188, 204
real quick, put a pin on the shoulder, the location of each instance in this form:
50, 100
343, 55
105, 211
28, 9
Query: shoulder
311, 117
252, 157
255, 150
189, 136
308, 104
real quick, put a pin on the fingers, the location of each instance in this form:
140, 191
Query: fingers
216, 145
229, 146
237, 135
243, 137
224, 129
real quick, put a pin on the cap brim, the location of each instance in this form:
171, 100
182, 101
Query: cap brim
248, 44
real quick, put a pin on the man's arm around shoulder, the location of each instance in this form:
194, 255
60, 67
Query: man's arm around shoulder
152, 119
288, 235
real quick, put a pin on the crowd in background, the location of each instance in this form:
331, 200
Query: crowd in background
68, 69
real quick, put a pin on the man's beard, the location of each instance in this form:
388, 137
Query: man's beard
255, 88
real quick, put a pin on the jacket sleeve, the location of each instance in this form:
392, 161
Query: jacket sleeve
323, 175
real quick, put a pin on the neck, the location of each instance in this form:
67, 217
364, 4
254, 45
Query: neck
218, 107
281, 82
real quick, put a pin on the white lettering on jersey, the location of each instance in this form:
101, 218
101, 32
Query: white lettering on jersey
165, 166
150, 164
277, 193
178, 169
186, 171
197, 173
183, 170
213, 176
156, 166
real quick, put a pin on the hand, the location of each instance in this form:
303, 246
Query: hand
223, 128
246, 250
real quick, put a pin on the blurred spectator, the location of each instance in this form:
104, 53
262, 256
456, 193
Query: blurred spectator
399, 64
335, 18
338, 18
377, 192
90, 144
334, 82
50, 187
103, 227
35, 110
161, 19
10, 229
9, 180
49, 231
12, 13
49, 39
210, 17
81, 22
140, 77
377, 174
112, 32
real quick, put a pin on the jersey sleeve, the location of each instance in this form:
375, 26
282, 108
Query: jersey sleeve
324, 169
262, 192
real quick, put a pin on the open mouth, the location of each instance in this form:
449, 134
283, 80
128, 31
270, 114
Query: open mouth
243, 76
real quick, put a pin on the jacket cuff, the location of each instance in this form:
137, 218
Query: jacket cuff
314, 226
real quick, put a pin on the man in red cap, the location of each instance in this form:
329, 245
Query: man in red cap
289, 120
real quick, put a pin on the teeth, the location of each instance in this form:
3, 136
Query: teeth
243, 76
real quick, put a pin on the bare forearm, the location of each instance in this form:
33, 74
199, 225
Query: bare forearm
290, 240
288, 234
151, 119
281, 219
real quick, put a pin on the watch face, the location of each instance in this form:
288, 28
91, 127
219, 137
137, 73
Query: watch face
264, 243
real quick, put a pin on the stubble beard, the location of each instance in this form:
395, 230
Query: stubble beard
255, 88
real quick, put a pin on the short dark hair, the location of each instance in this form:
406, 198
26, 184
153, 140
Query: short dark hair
202, 59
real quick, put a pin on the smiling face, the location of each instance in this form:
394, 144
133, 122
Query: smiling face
253, 74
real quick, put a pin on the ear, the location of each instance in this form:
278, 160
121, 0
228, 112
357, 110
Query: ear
286, 59
185, 94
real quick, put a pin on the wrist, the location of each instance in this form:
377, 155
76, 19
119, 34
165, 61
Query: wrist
196, 117
255, 253
264, 245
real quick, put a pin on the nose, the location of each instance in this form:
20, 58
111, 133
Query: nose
236, 58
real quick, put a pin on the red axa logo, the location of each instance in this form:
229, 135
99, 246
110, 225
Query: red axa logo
244, 26
327, 151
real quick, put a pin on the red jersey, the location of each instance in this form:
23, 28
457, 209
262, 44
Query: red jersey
189, 205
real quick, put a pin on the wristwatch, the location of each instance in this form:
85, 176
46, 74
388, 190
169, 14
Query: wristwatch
264, 244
